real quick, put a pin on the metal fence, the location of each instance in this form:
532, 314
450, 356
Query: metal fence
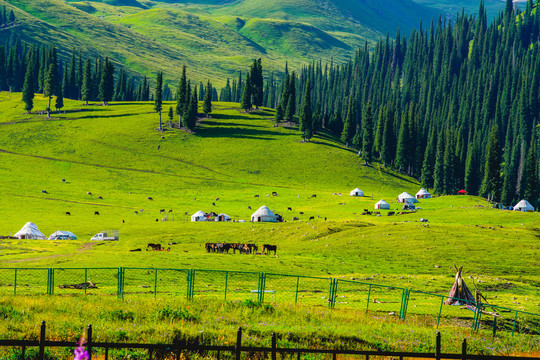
390, 301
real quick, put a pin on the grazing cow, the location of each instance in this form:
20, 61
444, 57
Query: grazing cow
88, 193
186, 213
217, 199
369, 213
314, 195
249, 207
301, 213
312, 218
149, 198
325, 218
266, 248
161, 211
170, 210
44, 191
100, 197
157, 220
63, 180
274, 193
390, 213
136, 212
290, 209
366, 210
96, 212
214, 204
68, 213
155, 247
256, 196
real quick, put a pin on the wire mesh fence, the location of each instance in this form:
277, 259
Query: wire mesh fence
269, 288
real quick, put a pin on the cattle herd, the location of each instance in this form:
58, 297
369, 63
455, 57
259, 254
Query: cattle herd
242, 248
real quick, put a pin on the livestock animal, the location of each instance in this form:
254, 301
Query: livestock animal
377, 213
96, 212
44, 191
68, 213
266, 248
314, 195
186, 213
256, 196
170, 210
161, 211
249, 207
100, 197
88, 193
149, 198
136, 212
312, 218
135, 250
390, 213
290, 209
217, 199
366, 210
214, 204
155, 247
274, 193
301, 213
63, 180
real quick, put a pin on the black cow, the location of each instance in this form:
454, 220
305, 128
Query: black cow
290, 209
161, 211
314, 195
100, 197
44, 191
149, 198
68, 213
96, 212
312, 218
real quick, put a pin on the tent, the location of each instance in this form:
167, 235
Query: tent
357, 192
63, 235
263, 214
198, 216
524, 205
406, 197
460, 293
462, 192
382, 205
223, 217
423, 194
30, 231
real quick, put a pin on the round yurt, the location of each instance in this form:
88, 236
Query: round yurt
382, 205
63, 235
30, 231
198, 216
223, 217
263, 214
423, 194
357, 192
406, 197
524, 205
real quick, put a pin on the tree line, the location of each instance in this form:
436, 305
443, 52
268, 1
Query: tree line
455, 105
6, 19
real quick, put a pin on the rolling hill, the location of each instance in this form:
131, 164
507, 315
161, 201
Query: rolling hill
215, 39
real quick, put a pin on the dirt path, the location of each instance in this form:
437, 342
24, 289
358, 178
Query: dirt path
86, 247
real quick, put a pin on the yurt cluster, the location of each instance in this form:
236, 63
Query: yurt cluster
31, 231
263, 214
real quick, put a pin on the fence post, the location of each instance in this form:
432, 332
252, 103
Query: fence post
41, 355
226, 280
120, 277
368, 295
297, 285
438, 346
404, 295
51, 290
274, 353
464, 349
89, 342
85, 279
262, 278
440, 311
15, 283
238, 343
155, 282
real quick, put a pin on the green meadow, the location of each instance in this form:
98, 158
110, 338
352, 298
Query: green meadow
115, 152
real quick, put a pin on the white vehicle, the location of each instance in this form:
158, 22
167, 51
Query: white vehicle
106, 235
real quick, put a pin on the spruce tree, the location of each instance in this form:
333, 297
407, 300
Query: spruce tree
350, 122
278, 115
429, 162
158, 102
257, 83
28, 89
86, 90
170, 115
306, 118
403, 143
531, 175
491, 184
207, 101
245, 102
106, 84
357, 138
438, 171
191, 114
59, 103
367, 138
49, 86
182, 96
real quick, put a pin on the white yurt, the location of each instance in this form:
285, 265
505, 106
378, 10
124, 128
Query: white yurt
524, 205
198, 216
357, 192
30, 231
264, 214
406, 197
223, 217
423, 194
382, 205
63, 235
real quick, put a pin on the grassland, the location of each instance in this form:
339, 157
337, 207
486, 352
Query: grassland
115, 152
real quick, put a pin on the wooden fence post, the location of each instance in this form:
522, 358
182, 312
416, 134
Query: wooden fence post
238, 343
89, 342
274, 346
41, 355
438, 346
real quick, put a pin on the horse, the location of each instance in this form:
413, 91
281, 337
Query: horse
266, 248
155, 247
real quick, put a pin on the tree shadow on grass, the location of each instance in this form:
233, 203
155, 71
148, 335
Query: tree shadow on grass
239, 133
111, 115
219, 124
232, 117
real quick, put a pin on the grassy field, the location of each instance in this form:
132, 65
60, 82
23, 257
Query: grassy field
116, 152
